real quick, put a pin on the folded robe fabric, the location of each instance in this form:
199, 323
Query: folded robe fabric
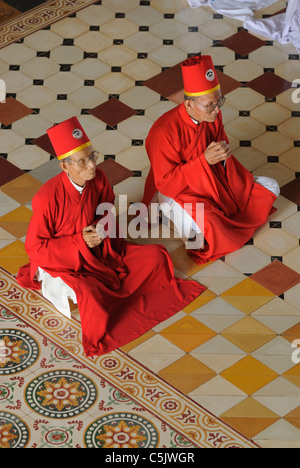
234, 205
241, 9
122, 289
285, 28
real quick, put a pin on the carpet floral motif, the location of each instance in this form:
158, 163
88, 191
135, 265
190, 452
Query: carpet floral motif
18, 351
61, 394
122, 431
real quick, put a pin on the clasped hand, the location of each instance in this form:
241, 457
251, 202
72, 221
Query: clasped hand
217, 152
91, 237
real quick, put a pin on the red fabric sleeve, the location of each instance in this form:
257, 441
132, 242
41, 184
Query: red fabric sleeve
45, 250
179, 170
172, 175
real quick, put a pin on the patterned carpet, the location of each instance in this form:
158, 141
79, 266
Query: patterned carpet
52, 395
115, 64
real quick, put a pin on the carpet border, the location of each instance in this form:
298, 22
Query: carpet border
38, 18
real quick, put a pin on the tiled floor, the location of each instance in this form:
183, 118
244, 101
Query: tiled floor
115, 64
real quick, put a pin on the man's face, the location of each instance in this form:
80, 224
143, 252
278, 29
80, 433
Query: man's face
81, 166
204, 108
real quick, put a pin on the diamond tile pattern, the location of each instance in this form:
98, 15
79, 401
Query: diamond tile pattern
114, 171
269, 85
113, 112
230, 350
291, 191
167, 83
8, 171
277, 277
12, 110
243, 43
228, 83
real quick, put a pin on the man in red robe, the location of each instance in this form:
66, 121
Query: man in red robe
192, 166
122, 289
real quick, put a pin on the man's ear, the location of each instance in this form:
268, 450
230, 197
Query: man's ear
188, 104
63, 166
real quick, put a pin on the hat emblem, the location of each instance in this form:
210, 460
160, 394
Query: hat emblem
77, 133
210, 75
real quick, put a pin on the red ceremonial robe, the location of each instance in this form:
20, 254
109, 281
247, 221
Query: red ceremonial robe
234, 206
122, 289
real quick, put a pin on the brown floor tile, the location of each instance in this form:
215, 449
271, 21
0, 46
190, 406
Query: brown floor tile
293, 375
269, 85
45, 143
8, 171
13, 256
178, 97
243, 43
17, 221
22, 189
277, 278
7, 12
13, 110
227, 83
291, 191
167, 83
113, 112
114, 171
294, 417
292, 333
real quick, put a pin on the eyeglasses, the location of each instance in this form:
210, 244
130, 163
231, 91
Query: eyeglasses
212, 107
82, 163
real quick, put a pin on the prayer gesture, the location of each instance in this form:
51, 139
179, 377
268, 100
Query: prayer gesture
217, 152
91, 237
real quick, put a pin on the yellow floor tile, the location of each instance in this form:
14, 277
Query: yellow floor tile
188, 342
249, 375
248, 343
248, 287
248, 296
293, 375
250, 408
250, 417
187, 373
250, 427
13, 256
17, 221
247, 304
188, 333
205, 298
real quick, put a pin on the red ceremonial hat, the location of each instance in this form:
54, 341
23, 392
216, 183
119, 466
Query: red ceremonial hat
68, 137
199, 76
